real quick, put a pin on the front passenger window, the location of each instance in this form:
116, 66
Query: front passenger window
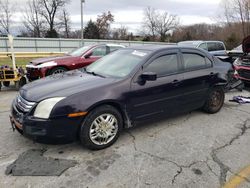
163, 65
203, 46
99, 51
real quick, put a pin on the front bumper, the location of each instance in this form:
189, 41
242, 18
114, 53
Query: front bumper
243, 73
34, 73
61, 129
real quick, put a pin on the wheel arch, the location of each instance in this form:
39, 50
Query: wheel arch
118, 106
50, 69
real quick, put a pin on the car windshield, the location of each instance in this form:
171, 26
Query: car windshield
117, 64
79, 51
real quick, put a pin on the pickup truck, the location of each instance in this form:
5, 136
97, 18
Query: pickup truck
216, 48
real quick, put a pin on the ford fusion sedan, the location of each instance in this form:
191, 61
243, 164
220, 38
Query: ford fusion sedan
116, 92
78, 58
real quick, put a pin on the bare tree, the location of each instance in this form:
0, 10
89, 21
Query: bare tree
165, 23
65, 22
103, 23
33, 22
6, 13
149, 23
50, 10
121, 33
237, 11
157, 23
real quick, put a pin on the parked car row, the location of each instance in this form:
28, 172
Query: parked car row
118, 91
86, 55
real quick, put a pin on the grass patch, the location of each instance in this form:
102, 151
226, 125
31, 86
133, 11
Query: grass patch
19, 61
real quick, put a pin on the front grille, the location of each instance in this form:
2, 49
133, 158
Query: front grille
33, 74
244, 73
23, 105
245, 64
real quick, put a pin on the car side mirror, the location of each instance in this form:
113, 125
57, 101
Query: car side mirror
149, 76
88, 55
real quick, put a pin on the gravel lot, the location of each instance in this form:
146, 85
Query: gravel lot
191, 150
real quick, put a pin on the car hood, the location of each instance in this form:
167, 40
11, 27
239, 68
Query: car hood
48, 59
62, 85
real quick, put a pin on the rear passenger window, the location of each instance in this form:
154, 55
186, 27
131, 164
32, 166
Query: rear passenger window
209, 62
215, 46
193, 61
164, 65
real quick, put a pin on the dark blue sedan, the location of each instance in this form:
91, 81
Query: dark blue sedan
119, 90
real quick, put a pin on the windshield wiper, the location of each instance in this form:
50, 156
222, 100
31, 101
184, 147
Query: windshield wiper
94, 73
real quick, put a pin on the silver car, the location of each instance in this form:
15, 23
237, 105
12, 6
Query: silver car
216, 48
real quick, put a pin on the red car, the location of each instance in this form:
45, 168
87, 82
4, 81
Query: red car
242, 63
76, 59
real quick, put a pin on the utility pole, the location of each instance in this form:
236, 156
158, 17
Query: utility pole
82, 3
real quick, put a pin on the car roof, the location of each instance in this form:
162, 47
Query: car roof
195, 43
154, 48
115, 45
107, 44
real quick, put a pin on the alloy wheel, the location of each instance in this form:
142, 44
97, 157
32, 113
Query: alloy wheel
103, 129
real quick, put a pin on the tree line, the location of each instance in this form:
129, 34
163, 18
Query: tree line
50, 18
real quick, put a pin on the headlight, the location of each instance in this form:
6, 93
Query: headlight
47, 64
44, 108
237, 62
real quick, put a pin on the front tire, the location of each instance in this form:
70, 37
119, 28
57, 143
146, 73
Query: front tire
57, 70
101, 127
20, 83
215, 100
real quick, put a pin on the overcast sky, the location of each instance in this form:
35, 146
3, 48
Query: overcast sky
130, 12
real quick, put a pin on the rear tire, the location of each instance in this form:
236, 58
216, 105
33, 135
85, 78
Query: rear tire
57, 70
6, 83
215, 100
101, 127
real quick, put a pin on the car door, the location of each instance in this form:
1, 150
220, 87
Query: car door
197, 78
160, 96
